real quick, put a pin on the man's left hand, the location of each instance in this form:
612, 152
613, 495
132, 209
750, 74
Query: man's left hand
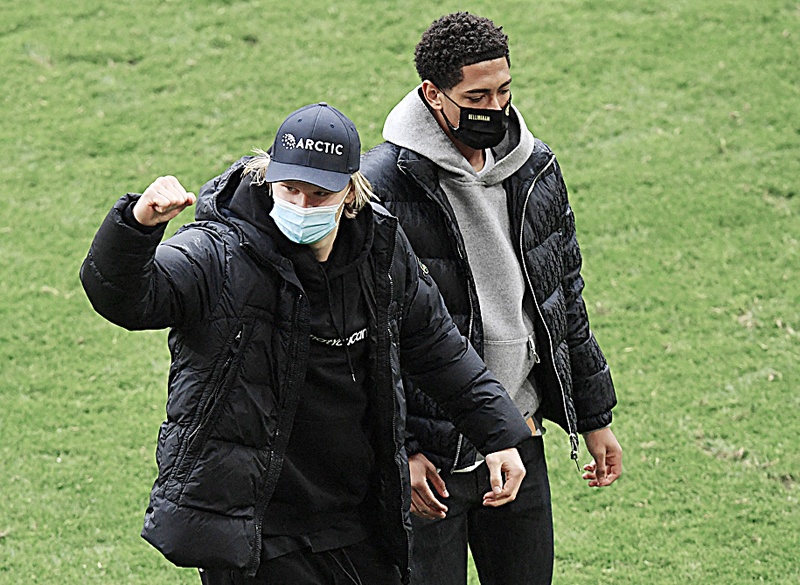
606, 466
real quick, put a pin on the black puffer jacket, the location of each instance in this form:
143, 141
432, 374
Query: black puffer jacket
574, 378
239, 343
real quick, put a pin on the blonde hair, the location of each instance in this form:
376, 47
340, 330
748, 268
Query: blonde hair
359, 184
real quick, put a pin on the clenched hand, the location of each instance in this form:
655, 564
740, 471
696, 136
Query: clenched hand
161, 201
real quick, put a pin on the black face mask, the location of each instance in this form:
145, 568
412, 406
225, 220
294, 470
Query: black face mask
479, 128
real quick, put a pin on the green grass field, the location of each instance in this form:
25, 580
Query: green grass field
677, 127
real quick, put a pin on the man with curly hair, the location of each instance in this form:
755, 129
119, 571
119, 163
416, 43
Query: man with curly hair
485, 207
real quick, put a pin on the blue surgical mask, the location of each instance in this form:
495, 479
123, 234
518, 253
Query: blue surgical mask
304, 225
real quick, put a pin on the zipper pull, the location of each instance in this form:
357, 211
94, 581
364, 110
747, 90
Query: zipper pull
532, 350
573, 453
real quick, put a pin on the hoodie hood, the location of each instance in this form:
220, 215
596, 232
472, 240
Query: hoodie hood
412, 125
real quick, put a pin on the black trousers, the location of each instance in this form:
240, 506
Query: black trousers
511, 545
358, 564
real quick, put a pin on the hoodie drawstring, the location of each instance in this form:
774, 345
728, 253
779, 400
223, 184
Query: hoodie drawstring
344, 319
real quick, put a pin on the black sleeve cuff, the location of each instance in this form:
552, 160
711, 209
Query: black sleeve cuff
131, 221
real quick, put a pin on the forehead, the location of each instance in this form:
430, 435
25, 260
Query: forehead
486, 75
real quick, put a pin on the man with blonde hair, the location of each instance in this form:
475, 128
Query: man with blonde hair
292, 305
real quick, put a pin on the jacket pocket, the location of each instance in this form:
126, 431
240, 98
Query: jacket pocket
207, 411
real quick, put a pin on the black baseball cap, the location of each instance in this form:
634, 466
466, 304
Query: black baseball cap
316, 144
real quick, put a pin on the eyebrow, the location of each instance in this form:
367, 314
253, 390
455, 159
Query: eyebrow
483, 91
320, 191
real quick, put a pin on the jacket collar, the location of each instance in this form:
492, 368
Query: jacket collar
233, 200
422, 169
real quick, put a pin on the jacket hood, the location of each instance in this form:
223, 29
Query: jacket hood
233, 196
232, 199
213, 199
411, 125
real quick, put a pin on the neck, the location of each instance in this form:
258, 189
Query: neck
477, 159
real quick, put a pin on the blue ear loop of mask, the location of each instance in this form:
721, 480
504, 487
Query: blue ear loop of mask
304, 225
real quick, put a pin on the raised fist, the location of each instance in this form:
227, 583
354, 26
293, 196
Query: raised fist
161, 201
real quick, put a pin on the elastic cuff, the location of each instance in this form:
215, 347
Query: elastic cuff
595, 430
130, 219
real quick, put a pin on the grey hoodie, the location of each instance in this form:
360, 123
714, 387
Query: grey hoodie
479, 203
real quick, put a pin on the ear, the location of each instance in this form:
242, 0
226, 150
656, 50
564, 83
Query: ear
432, 95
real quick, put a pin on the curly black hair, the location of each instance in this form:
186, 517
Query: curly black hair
454, 41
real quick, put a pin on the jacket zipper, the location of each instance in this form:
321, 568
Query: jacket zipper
573, 435
392, 393
212, 399
203, 418
263, 501
469, 337
261, 507
459, 249
469, 296
470, 322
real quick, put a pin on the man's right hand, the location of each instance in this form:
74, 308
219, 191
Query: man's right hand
162, 201
423, 501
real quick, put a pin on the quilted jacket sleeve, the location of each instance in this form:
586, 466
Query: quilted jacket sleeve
592, 387
136, 282
437, 357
